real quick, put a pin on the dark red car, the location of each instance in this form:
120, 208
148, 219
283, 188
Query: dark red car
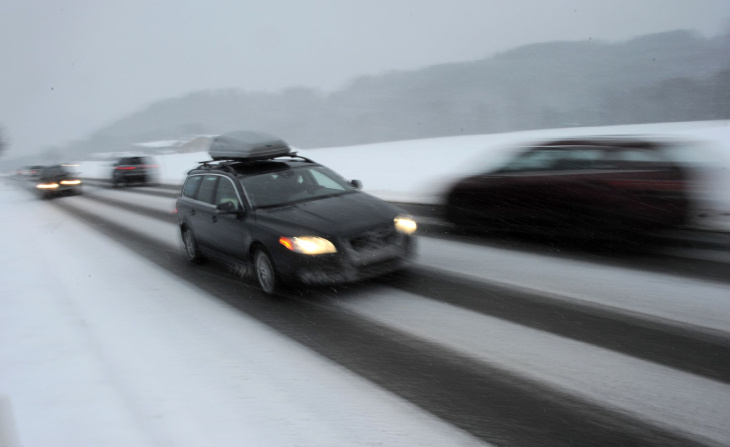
140, 170
602, 183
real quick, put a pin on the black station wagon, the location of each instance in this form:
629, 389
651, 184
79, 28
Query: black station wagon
257, 203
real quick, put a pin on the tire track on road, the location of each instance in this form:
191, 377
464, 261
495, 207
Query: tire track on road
481, 399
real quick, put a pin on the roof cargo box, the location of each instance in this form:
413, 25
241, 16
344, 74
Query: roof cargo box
247, 145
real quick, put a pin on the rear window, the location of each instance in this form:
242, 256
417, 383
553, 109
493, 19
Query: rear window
133, 161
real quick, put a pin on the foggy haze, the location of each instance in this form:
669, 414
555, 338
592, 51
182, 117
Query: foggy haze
72, 67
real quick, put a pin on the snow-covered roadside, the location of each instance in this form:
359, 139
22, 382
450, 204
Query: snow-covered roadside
100, 347
418, 171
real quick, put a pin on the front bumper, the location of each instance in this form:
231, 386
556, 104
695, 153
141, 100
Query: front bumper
349, 265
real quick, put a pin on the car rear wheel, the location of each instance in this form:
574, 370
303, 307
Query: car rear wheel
191, 246
265, 273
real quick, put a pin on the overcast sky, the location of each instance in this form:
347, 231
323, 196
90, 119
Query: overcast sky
70, 67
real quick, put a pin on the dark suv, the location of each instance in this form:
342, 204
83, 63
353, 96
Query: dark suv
291, 219
619, 185
139, 170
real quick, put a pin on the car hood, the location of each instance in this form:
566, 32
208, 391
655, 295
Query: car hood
341, 215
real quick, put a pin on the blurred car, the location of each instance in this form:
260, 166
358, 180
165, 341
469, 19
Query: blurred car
56, 181
605, 184
137, 170
291, 219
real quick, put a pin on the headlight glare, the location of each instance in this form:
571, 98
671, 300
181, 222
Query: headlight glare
308, 245
405, 224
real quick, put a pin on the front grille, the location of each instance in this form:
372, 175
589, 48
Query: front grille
374, 238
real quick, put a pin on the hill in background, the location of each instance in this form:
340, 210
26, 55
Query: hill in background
666, 77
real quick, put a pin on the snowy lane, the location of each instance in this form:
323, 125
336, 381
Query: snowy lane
702, 304
650, 391
654, 295
642, 388
108, 349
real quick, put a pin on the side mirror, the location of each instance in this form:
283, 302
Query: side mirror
356, 183
226, 208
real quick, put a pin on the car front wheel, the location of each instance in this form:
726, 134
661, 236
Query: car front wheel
191, 246
265, 273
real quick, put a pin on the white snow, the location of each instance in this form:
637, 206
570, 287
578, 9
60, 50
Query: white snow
101, 347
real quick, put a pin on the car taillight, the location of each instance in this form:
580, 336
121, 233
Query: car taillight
650, 185
125, 168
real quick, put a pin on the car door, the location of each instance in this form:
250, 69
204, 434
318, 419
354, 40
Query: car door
202, 211
569, 192
229, 233
522, 191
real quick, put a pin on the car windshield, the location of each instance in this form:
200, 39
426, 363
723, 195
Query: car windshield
294, 185
54, 171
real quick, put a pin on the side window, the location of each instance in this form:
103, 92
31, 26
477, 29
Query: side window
535, 160
206, 193
191, 186
632, 158
226, 193
325, 181
579, 158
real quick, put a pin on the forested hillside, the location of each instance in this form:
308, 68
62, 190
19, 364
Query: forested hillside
675, 76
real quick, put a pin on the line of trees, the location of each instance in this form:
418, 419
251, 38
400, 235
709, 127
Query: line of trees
675, 76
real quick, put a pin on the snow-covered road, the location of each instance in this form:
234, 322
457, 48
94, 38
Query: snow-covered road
103, 347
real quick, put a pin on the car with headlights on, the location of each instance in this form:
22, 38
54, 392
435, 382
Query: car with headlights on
58, 180
290, 219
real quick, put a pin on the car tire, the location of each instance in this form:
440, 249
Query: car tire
190, 246
265, 272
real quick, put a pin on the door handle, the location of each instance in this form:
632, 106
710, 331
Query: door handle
214, 219
192, 212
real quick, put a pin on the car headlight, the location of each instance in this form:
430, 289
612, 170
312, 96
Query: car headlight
70, 182
308, 245
405, 224
47, 185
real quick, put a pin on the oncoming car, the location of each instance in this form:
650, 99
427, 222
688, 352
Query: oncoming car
56, 181
291, 219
